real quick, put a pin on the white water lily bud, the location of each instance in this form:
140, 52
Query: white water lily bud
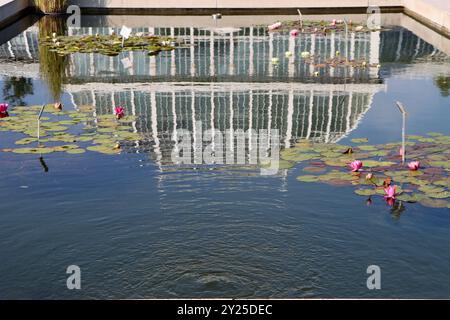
54, 34
275, 60
288, 54
305, 54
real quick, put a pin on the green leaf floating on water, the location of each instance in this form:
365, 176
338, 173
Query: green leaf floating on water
41, 150
434, 203
374, 163
307, 178
367, 148
366, 192
360, 140
103, 149
434, 134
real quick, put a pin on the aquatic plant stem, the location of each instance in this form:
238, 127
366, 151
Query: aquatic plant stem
403, 111
39, 124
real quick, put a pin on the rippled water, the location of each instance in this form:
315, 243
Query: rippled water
139, 227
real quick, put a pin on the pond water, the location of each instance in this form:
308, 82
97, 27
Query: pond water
141, 227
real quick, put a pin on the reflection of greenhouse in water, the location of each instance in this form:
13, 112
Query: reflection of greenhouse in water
228, 81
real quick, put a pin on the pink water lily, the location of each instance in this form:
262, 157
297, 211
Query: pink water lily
119, 112
369, 176
390, 192
274, 26
3, 107
356, 165
294, 32
333, 23
401, 151
414, 165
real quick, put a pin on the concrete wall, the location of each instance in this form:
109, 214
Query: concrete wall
434, 13
233, 3
10, 9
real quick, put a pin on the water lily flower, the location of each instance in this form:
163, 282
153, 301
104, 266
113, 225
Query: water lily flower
390, 192
338, 53
119, 112
369, 176
274, 26
4, 108
316, 74
401, 152
305, 54
333, 23
414, 165
275, 60
288, 54
356, 165
294, 32
54, 34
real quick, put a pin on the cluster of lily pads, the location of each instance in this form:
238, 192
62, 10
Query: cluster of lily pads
110, 45
72, 131
317, 27
377, 170
323, 27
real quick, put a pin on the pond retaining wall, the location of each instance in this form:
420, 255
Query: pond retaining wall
433, 13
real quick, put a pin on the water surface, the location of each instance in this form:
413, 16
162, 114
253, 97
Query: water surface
141, 228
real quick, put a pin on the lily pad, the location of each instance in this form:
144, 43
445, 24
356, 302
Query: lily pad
360, 140
434, 203
307, 178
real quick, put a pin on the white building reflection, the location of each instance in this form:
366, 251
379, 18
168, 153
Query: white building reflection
228, 81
